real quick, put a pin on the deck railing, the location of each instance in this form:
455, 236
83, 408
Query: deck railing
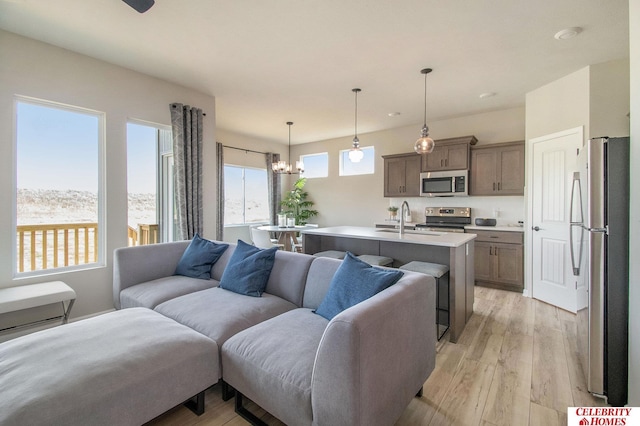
46, 246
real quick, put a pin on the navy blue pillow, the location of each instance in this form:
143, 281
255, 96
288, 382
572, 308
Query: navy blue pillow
353, 282
199, 257
248, 270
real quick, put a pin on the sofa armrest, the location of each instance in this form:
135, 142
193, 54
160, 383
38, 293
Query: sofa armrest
135, 265
374, 357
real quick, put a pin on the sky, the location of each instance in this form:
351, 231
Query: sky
58, 149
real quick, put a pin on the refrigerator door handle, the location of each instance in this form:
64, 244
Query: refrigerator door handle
575, 263
575, 189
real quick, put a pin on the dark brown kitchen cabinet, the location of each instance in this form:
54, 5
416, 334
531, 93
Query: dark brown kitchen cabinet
402, 175
449, 154
499, 259
497, 169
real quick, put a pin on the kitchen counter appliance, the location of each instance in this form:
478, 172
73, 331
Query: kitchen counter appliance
445, 219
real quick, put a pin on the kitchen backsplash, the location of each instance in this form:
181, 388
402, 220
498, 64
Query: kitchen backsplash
506, 210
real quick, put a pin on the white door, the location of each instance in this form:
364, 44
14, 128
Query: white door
554, 160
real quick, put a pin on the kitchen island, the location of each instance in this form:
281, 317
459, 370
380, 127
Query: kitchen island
456, 250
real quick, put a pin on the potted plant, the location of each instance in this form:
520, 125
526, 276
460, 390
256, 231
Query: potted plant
297, 205
393, 212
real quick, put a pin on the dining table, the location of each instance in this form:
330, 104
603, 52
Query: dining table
287, 235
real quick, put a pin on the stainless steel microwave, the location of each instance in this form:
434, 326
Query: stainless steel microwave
444, 184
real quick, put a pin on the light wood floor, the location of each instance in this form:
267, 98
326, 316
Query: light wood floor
515, 364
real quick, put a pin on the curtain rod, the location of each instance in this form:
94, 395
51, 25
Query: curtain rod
243, 149
174, 105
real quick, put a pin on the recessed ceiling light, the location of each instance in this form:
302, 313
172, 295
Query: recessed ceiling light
394, 114
567, 33
487, 95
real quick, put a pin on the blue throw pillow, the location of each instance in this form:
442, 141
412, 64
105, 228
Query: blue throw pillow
199, 257
248, 270
353, 282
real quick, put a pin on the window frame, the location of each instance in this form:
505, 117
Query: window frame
101, 188
165, 200
326, 154
244, 198
341, 162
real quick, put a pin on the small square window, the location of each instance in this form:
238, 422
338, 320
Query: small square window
362, 167
315, 165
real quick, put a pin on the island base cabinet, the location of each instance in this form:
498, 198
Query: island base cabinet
499, 260
459, 259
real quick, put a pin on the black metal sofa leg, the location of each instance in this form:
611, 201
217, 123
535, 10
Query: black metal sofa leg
420, 392
246, 414
227, 391
196, 404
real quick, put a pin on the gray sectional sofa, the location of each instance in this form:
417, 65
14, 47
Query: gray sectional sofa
363, 367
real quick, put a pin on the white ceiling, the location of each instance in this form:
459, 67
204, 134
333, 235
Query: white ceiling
272, 61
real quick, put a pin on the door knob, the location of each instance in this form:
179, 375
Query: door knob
536, 228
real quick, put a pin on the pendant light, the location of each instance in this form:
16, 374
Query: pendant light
424, 144
282, 167
355, 153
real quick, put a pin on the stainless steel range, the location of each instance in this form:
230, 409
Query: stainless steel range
445, 219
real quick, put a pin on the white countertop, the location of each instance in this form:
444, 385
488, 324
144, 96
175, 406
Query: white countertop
507, 228
444, 239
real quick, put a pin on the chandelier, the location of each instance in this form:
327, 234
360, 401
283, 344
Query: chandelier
282, 167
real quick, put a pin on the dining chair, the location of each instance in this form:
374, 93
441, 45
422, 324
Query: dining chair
262, 239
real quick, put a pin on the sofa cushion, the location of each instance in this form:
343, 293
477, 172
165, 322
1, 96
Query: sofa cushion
288, 276
272, 363
248, 269
353, 282
152, 293
219, 313
199, 257
321, 273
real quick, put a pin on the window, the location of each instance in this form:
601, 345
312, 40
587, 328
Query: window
315, 165
149, 183
363, 167
246, 198
59, 196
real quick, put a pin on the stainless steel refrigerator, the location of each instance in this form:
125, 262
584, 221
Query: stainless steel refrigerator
600, 256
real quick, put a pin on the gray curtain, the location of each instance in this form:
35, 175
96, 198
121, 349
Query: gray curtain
186, 123
273, 183
220, 173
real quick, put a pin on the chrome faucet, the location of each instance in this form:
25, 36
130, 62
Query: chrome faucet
404, 203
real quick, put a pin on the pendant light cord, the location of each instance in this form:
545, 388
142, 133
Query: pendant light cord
356, 118
289, 123
425, 99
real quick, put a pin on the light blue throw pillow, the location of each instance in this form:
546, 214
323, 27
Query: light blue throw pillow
354, 282
248, 270
199, 257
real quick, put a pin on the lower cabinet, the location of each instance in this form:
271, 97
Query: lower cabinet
499, 259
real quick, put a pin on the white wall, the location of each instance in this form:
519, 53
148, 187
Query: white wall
359, 200
559, 105
609, 99
634, 280
35, 69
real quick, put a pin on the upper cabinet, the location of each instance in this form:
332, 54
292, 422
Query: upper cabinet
497, 169
402, 175
449, 154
